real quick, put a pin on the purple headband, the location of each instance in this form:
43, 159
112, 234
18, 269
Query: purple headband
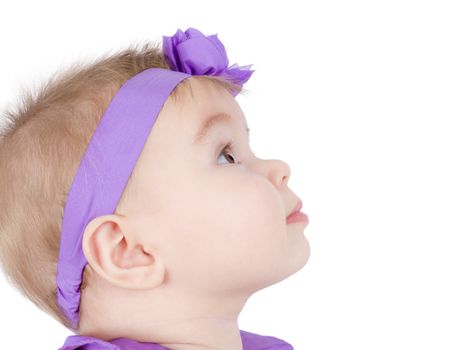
117, 142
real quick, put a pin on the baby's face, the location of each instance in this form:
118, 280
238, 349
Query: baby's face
216, 218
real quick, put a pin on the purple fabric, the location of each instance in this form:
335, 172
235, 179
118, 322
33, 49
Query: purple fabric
117, 142
250, 341
104, 171
194, 53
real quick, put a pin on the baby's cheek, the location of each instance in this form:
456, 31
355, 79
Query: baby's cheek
224, 230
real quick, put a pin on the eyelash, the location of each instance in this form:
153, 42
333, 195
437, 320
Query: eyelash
227, 146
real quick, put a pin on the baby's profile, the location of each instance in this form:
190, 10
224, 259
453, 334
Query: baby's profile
132, 209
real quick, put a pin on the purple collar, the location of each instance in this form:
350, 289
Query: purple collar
251, 341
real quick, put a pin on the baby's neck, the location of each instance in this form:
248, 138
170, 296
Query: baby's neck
174, 320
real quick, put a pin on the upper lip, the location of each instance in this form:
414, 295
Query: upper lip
297, 208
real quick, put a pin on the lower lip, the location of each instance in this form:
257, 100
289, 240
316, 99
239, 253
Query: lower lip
297, 217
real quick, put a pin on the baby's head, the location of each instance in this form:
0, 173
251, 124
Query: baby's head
199, 228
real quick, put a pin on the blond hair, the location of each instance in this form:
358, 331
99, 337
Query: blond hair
41, 145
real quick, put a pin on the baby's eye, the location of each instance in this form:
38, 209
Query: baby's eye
227, 147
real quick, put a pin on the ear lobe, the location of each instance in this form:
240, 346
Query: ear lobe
113, 254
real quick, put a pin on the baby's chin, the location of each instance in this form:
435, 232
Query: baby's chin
298, 245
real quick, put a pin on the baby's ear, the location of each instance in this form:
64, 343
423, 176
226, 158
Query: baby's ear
117, 257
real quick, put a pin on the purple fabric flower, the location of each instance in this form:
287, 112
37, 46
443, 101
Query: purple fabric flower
194, 53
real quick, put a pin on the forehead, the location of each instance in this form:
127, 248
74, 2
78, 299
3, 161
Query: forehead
184, 114
200, 104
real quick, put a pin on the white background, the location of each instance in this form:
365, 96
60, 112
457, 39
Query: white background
365, 100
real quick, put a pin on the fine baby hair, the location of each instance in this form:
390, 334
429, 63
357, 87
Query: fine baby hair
67, 158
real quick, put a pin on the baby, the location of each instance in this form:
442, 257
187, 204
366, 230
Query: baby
132, 209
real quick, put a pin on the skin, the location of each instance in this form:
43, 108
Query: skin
201, 233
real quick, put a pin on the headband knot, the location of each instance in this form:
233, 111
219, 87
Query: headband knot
194, 53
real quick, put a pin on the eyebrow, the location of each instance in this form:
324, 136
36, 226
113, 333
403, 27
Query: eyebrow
210, 123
